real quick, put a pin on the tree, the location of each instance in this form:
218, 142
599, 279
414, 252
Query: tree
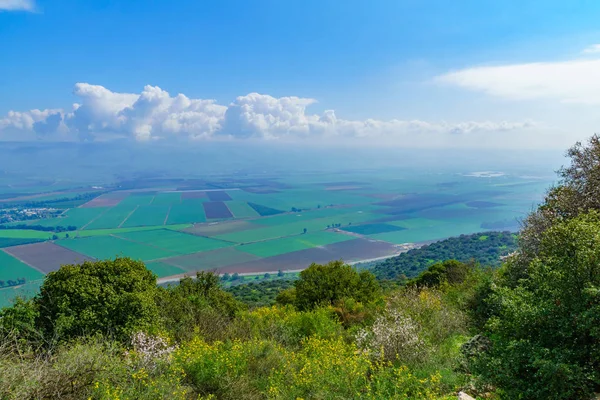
67, 235
450, 271
111, 297
235, 276
545, 336
326, 284
267, 275
226, 276
54, 237
280, 273
304, 230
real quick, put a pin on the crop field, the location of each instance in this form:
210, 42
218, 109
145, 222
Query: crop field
103, 247
187, 212
112, 218
241, 209
216, 210
372, 229
13, 269
46, 256
276, 247
147, 216
176, 242
259, 223
211, 260
218, 196
162, 269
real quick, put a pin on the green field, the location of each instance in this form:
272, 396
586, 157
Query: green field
162, 269
13, 269
26, 291
176, 242
137, 200
115, 231
209, 260
103, 247
296, 228
276, 247
188, 211
24, 234
166, 198
372, 229
7, 242
241, 209
78, 217
112, 218
147, 216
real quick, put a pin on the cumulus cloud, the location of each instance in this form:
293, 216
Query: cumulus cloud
575, 81
17, 5
102, 114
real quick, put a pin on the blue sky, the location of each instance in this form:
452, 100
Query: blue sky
380, 60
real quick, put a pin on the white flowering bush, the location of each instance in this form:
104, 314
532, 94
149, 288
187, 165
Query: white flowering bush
393, 336
148, 349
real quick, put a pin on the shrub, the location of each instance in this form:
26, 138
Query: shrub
111, 297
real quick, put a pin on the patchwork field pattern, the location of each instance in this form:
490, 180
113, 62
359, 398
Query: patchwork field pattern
176, 242
372, 229
46, 256
147, 216
187, 212
218, 196
13, 269
216, 210
293, 243
112, 218
211, 260
104, 247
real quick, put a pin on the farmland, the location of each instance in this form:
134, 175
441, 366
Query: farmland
262, 224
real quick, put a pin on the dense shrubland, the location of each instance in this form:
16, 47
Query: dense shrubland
528, 330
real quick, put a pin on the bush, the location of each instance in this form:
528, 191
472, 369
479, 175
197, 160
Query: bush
111, 297
325, 284
545, 335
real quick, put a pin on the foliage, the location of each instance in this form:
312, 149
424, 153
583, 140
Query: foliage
260, 294
463, 248
545, 335
326, 284
449, 271
111, 297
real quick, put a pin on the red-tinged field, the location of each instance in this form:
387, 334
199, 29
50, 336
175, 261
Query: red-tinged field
349, 251
216, 209
106, 200
47, 256
218, 196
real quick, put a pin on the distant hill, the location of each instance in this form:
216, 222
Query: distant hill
485, 248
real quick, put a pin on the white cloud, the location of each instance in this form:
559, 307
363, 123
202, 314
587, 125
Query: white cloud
575, 81
17, 5
595, 48
101, 114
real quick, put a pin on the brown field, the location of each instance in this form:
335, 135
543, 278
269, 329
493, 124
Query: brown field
220, 228
216, 209
210, 260
350, 250
106, 200
193, 195
218, 196
46, 256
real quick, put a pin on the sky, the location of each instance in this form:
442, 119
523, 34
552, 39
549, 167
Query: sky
399, 73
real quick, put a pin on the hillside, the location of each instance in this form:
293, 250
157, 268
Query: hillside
484, 248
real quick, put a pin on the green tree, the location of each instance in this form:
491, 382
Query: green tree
326, 284
111, 297
545, 334
450, 271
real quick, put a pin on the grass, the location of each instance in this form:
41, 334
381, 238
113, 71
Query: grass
176, 242
241, 209
13, 269
189, 211
104, 247
26, 291
140, 200
74, 217
147, 216
111, 218
276, 247
372, 229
